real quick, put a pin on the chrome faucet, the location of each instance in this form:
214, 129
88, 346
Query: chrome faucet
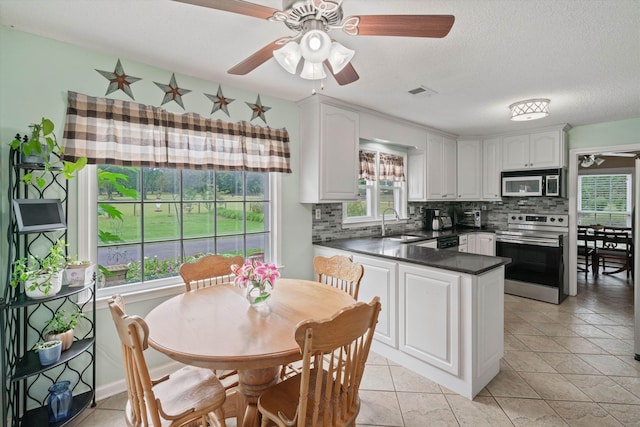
383, 225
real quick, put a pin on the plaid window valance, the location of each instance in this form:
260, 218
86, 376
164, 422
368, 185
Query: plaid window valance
124, 133
367, 165
390, 168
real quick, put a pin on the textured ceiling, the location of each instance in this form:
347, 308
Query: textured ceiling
584, 55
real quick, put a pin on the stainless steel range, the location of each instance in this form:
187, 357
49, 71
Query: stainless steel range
537, 246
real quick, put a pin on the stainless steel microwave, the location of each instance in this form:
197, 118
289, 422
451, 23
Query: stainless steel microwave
534, 183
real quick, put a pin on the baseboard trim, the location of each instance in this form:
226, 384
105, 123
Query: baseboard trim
116, 387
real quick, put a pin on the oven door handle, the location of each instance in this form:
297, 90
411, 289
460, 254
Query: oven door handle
528, 241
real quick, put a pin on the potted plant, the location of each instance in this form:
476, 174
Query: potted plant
37, 149
49, 351
42, 277
79, 272
61, 326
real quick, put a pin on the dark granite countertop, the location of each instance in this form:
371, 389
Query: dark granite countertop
437, 258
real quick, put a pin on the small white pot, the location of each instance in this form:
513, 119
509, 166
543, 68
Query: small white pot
65, 337
52, 283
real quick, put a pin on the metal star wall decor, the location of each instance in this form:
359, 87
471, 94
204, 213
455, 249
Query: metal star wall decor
219, 101
119, 80
172, 92
258, 109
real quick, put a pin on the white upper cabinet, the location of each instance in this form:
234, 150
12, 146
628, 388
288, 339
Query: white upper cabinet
534, 151
491, 168
441, 168
416, 175
469, 167
329, 138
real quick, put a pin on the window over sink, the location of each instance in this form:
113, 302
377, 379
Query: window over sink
381, 185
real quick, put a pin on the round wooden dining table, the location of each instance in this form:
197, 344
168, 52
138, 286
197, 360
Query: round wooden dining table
216, 328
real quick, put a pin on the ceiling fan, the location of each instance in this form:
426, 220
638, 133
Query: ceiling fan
312, 20
590, 160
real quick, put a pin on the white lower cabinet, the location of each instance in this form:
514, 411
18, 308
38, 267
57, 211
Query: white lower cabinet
485, 244
429, 313
444, 325
380, 279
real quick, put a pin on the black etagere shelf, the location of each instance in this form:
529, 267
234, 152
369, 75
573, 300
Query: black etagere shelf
25, 381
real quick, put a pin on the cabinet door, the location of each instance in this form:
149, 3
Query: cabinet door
491, 168
469, 167
429, 316
380, 280
450, 174
338, 153
485, 244
416, 175
435, 167
515, 152
471, 244
545, 150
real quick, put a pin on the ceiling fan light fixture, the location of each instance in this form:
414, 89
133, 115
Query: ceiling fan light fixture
288, 56
315, 46
587, 161
530, 109
339, 56
312, 71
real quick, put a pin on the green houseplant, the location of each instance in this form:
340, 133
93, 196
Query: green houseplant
42, 277
37, 148
61, 326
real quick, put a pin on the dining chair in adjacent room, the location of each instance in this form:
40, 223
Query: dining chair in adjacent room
614, 246
340, 272
190, 395
208, 271
586, 245
334, 354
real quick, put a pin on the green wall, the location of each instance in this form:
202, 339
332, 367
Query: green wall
36, 75
621, 132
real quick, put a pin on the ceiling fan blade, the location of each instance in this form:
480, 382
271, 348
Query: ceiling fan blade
347, 75
255, 60
436, 26
235, 6
617, 154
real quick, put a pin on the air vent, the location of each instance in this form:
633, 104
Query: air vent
423, 91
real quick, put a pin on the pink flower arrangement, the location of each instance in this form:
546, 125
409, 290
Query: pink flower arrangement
255, 273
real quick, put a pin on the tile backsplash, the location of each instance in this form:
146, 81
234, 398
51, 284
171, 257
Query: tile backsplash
330, 227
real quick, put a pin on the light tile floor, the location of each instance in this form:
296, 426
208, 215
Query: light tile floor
570, 364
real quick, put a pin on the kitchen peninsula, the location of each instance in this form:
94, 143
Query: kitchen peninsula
442, 310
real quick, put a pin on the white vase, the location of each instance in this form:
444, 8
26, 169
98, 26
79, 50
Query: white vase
44, 286
65, 337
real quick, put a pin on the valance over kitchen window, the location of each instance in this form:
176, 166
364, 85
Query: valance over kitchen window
110, 131
390, 167
367, 165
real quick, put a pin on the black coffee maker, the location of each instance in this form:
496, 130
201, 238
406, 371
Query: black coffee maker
427, 218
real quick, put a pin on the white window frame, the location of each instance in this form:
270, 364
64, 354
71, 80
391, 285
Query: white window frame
373, 193
608, 172
87, 227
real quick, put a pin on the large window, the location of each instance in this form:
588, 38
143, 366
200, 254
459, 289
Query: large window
152, 220
605, 199
376, 197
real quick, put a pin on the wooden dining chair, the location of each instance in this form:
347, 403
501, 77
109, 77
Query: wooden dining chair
190, 395
334, 353
614, 245
586, 248
340, 272
208, 271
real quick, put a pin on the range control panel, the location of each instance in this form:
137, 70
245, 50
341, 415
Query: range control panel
539, 219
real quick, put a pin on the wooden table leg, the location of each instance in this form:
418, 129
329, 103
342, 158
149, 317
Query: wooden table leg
252, 383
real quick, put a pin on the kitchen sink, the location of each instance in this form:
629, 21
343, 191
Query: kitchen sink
404, 238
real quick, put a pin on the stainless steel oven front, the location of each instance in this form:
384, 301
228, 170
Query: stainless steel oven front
537, 247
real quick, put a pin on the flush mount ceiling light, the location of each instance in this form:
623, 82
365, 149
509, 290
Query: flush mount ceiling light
530, 109
590, 160
312, 20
